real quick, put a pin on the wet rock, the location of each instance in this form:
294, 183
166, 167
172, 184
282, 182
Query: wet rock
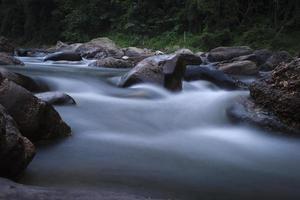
6, 59
239, 68
279, 92
217, 77
13, 191
16, 151
63, 56
6, 46
100, 48
227, 53
24, 81
276, 59
36, 119
31, 52
111, 62
165, 70
56, 98
245, 111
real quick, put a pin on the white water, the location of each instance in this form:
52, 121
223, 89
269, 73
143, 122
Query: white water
147, 139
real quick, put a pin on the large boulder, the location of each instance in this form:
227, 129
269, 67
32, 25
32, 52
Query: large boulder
217, 77
100, 48
165, 70
64, 56
279, 92
24, 81
239, 68
36, 119
111, 62
6, 46
227, 53
56, 98
6, 59
275, 59
16, 151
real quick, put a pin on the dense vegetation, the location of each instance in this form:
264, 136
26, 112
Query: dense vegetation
199, 24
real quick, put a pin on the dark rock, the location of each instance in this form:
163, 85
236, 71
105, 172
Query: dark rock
31, 52
165, 70
56, 98
36, 119
239, 68
276, 59
262, 56
209, 74
279, 92
227, 53
24, 81
6, 46
6, 59
137, 52
100, 48
13, 191
245, 111
16, 151
111, 62
65, 56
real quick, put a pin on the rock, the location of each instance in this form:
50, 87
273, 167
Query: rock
165, 70
250, 57
217, 77
276, 59
56, 98
100, 48
262, 56
228, 53
24, 81
245, 111
36, 119
31, 52
6, 59
13, 191
137, 52
184, 51
6, 46
16, 151
159, 53
280, 93
239, 68
63, 56
111, 62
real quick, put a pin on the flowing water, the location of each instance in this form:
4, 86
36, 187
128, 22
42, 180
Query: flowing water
162, 144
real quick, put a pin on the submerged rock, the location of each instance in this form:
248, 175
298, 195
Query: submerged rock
56, 98
63, 56
279, 92
36, 119
217, 77
239, 68
165, 70
6, 59
227, 53
113, 63
16, 151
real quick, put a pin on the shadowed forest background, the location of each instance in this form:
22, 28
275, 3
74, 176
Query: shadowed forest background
197, 24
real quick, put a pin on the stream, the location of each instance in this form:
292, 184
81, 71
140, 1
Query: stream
147, 140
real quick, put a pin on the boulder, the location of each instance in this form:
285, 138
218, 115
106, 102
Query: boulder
6, 46
63, 56
165, 70
24, 81
227, 53
244, 111
279, 92
56, 98
184, 51
31, 52
239, 68
36, 119
16, 151
111, 62
100, 48
217, 77
276, 59
6, 59
262, 55
137, 52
